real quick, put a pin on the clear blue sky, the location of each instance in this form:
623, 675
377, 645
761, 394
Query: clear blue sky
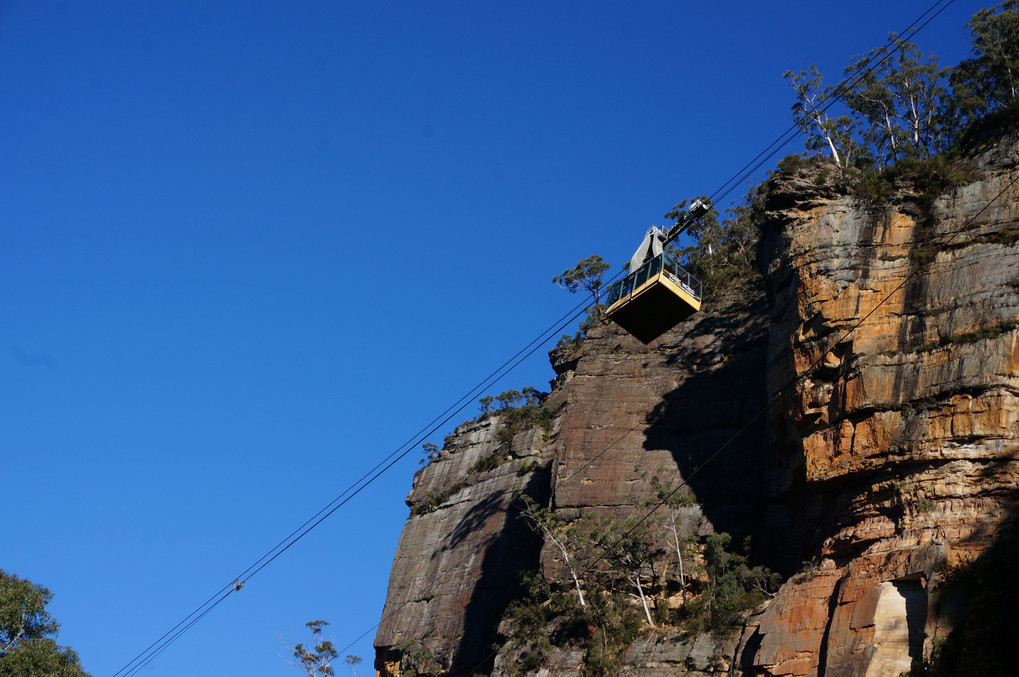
247, 249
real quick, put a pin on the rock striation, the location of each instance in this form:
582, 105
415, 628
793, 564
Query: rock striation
897, 327
856, 415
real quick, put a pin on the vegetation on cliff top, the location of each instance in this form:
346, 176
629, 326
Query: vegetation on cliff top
895, 103
896, 118
518, 410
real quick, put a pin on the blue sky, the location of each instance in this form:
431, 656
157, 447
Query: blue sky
247, 249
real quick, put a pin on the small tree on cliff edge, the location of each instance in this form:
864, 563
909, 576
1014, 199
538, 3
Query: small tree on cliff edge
587, 274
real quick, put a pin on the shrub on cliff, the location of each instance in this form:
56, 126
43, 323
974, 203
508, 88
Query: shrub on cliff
616, 589
520, 410
732, 587
586, 275
724, 251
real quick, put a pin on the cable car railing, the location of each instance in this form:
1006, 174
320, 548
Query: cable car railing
663, 264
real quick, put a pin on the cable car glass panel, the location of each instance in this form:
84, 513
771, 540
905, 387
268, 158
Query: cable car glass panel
670, 266
615, 291
641, 276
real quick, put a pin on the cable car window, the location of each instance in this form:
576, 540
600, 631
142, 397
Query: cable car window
614, 292
655, 266
627, 285
670, 266
641, 276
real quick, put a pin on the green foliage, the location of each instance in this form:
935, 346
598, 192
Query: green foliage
834, 135
488, 462
985, 334
724, 254
521, 418
669, 496
542, 619
603, 558
27, 648
616, 624
732, 588
894, 128
616, 592
990, 80
509, 400
415, 659
353, 661
548, 617
315, 659
1008, 236
897, 103
789, 165
595, 317
898, 98
486, 404
431, 453
808, 571
931, 177
587, 274
893, 105
434, 498
519, 410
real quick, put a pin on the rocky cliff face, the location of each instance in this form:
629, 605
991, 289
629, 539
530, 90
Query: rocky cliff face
858, 414
899, 326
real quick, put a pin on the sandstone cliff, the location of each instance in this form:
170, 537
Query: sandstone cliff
858, 413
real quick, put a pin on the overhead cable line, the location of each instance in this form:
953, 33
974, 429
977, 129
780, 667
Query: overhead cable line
428, 589
352, 490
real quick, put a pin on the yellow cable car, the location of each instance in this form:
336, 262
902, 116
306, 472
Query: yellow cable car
657, 294
653, 299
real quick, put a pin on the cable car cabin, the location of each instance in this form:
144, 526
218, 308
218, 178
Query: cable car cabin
654, 298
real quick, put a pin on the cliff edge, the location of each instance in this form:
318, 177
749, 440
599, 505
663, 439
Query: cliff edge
854, 414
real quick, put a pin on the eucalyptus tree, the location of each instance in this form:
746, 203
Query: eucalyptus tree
314, 659
814, 99
989, 80
27, 647
587, 274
